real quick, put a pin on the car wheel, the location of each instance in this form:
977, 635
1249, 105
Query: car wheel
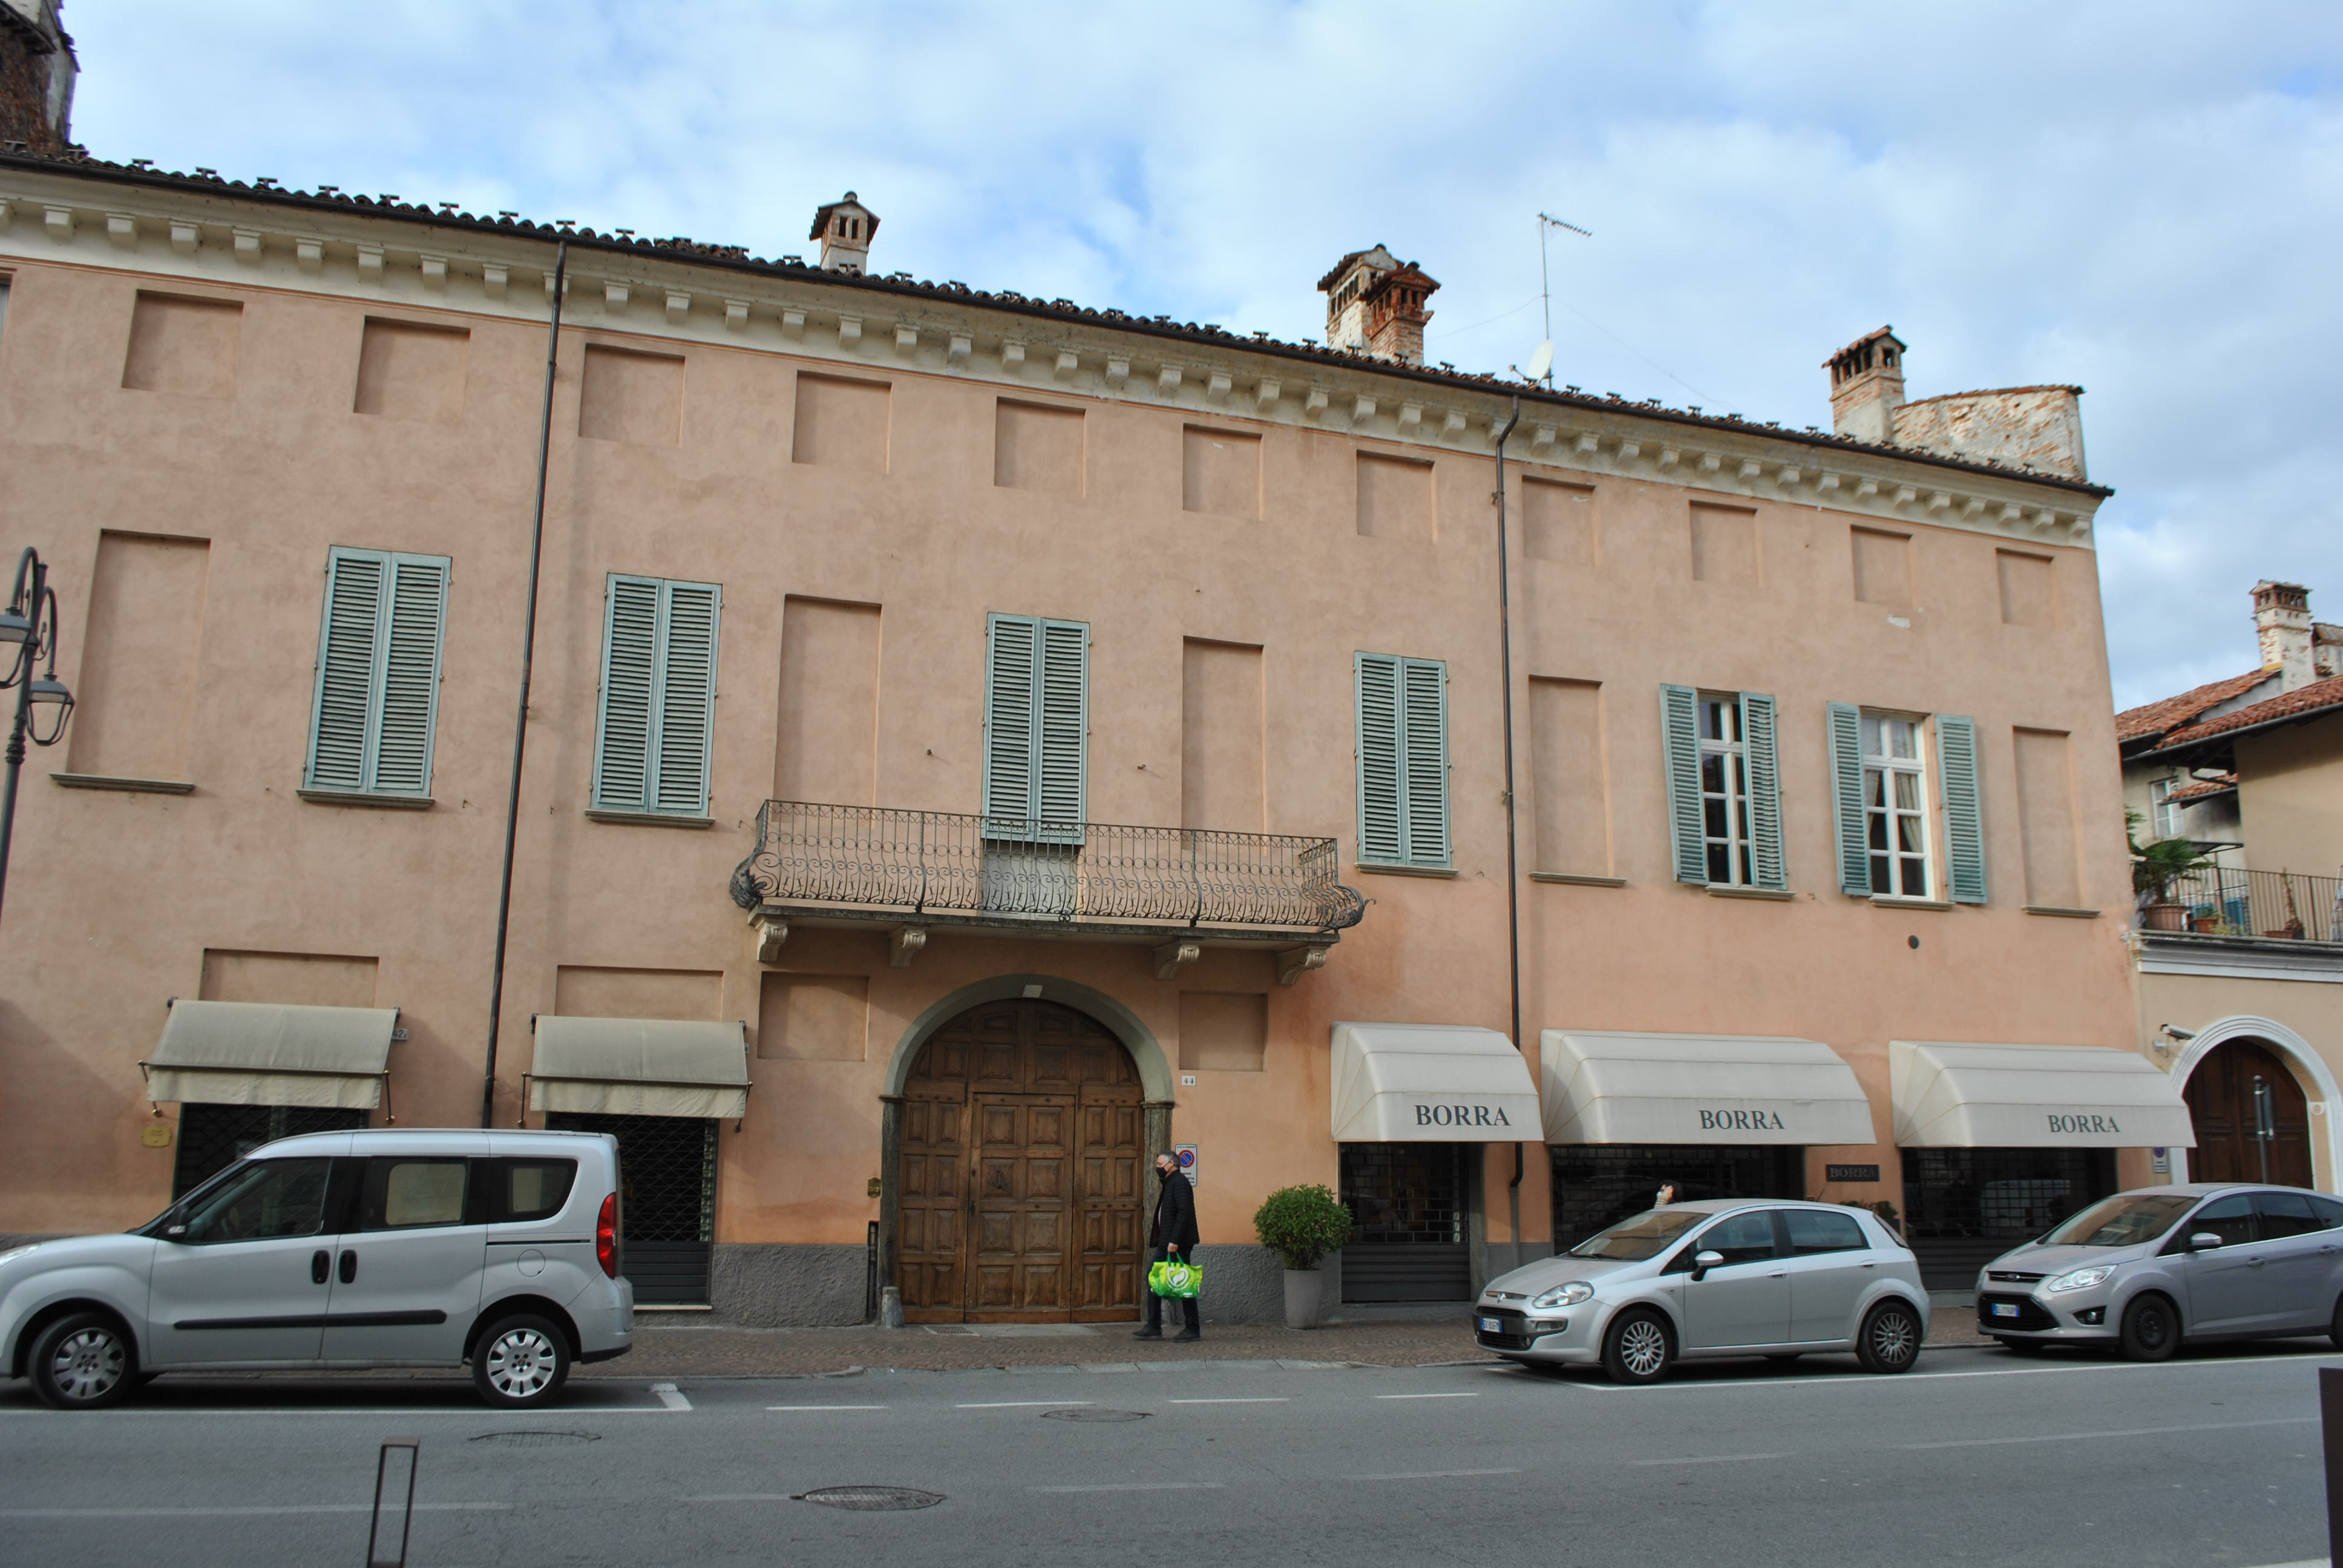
521, 1363
1639, 1349
2151, 1330
82, 1361
1890, 1340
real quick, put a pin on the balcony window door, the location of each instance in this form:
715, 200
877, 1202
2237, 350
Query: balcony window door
1035, 730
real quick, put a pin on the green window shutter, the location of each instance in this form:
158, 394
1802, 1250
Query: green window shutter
1424, 733
342, 717
686, 732
1061, 736
1846, 797
1964, 818
1012, 664
1680, 741
1763, 775
407, 714
623, 745
1382, 832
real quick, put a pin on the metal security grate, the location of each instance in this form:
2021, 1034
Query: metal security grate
1596, 1185
666, 1177
214, 1137
1406, 1194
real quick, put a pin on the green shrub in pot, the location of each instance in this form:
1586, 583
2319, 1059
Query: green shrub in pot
1301, 1225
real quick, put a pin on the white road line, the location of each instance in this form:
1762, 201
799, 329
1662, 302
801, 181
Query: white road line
1025, 1404
1279, 1399
1712, 1459
2127, 1432
1139, 1486
1854, 1381
670, 1396
567, 1412
1430, 1475
1427, 1396
745, 1497
254, 1510
817, 1408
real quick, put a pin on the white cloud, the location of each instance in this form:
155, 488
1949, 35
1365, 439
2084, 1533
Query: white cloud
2139, 198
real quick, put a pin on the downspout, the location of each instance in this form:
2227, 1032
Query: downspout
520, 718
1513, 867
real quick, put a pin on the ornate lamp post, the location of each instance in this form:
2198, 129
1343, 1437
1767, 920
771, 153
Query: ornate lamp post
29, 642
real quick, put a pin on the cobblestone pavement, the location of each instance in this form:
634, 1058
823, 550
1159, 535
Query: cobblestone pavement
673, 1351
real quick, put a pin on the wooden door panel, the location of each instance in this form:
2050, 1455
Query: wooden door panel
2220, 1099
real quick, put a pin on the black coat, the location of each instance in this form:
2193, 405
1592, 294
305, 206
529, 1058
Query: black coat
1175, 1215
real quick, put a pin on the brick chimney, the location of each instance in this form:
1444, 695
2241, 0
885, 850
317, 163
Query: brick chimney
1375, 305
2282, 621
1867, 385
37, 69
845, 228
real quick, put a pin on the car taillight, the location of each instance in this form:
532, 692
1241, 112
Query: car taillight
606, 1236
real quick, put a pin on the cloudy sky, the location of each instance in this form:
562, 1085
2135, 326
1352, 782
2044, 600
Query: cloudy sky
2140, 197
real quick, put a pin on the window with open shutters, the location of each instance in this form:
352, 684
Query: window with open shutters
657, 726
1036, 728
378, 694
1402, 761
1724, 796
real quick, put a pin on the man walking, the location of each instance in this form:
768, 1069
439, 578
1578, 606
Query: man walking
1172, 1236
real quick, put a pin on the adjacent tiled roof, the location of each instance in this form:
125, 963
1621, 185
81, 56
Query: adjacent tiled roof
445, 215
2203, 789
2154, 719
2300, 703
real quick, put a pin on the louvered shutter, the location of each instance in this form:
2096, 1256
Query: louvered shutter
1679, 743
1061, 741
1963, 817
1012, 661
377, 673
1846, 797
1763, 775
1424, 751
622, 750
685, 733
1381, 836
342, 719
410, 703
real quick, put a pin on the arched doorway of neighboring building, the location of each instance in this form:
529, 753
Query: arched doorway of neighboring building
1021, 1170
2251, 1118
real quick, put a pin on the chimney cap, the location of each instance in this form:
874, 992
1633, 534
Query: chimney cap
1868, 340
822, 216
2272, 595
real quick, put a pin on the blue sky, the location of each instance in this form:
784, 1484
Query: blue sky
2139, 198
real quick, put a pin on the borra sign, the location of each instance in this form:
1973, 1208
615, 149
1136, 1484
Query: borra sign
1742, 1121
1461, 1116
2064, 1121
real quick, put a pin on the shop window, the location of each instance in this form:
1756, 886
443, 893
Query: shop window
1963, 1208
1596, 1185
214, 1137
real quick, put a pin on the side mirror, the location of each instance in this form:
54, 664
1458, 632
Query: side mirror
2203, 1241
1701, 1262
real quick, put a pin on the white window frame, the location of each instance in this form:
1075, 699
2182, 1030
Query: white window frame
1724, 738
2164, 812
1878, 805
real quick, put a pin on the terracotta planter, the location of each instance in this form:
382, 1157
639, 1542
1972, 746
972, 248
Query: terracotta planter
2165, 917
1304, 1289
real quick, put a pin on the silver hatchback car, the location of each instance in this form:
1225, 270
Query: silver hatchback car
2145, 1270
1728, 1277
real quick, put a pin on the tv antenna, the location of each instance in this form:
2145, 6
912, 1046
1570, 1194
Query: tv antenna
1542, 362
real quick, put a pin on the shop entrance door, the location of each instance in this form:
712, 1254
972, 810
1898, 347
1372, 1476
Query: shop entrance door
1408, 1205
1963, 1208
1019, 1188
2252, 1120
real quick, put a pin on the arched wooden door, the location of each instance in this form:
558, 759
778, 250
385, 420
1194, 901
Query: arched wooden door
2230, 1146
1023, 1125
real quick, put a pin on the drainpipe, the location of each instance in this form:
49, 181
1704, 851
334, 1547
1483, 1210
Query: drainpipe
1513, 867
520, 717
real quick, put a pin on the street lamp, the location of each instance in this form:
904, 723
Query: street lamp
29, 626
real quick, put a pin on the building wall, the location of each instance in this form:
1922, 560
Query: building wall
2290, 795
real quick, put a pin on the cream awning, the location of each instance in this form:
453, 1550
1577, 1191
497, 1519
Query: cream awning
261, 1053
1950, 1095
641, 1067
1605, 1087
1430, 1083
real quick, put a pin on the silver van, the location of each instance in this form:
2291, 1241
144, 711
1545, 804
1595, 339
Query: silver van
1728, 1277
385, 1248
2147, 1269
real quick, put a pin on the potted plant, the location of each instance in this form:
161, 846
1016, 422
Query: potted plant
1302, 1225
2155, 868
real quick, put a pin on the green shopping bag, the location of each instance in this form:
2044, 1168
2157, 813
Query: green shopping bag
1176, 1278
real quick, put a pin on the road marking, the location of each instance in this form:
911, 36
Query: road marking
1712, 1459
670, 1396
1139, 1486
1430, 1475
1025, 1404
254, 1510
745, 1497
1427, 1396
2127, 1432
1279, 1399
474, 1412
1852, 1380
815, 1409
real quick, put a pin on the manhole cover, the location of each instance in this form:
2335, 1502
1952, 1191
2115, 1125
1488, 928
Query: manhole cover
537, 1439
1087, 1414
872, 1499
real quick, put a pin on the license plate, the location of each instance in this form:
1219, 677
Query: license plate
2004, 1309
1491, 1326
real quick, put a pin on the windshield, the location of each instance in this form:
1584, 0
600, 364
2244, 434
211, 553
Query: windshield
1640, 1236
2120, 1221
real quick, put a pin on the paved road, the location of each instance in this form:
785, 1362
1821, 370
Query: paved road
1975, 1458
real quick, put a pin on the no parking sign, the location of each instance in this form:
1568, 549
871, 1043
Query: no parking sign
1186, 1154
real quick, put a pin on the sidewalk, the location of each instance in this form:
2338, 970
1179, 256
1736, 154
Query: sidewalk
678, 1350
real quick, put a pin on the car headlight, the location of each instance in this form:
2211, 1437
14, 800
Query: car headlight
1568, 1296
2078, 1279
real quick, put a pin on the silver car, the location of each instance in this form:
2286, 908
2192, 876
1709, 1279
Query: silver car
1728, 1277
2145, 1270
372, 1248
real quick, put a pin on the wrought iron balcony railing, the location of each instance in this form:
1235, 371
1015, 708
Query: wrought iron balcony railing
2224, 901
939, 862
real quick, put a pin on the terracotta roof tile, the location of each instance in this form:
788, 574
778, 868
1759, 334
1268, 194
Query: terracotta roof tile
2300, 703
2203, 789
2154, 719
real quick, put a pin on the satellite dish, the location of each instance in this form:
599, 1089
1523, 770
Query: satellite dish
1541, 361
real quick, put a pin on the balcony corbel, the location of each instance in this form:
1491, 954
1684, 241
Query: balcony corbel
1172, 955
903, 945
1295, 962
772, 932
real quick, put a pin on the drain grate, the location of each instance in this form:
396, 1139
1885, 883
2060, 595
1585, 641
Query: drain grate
1087, 1413
537, 1439
872, 1499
